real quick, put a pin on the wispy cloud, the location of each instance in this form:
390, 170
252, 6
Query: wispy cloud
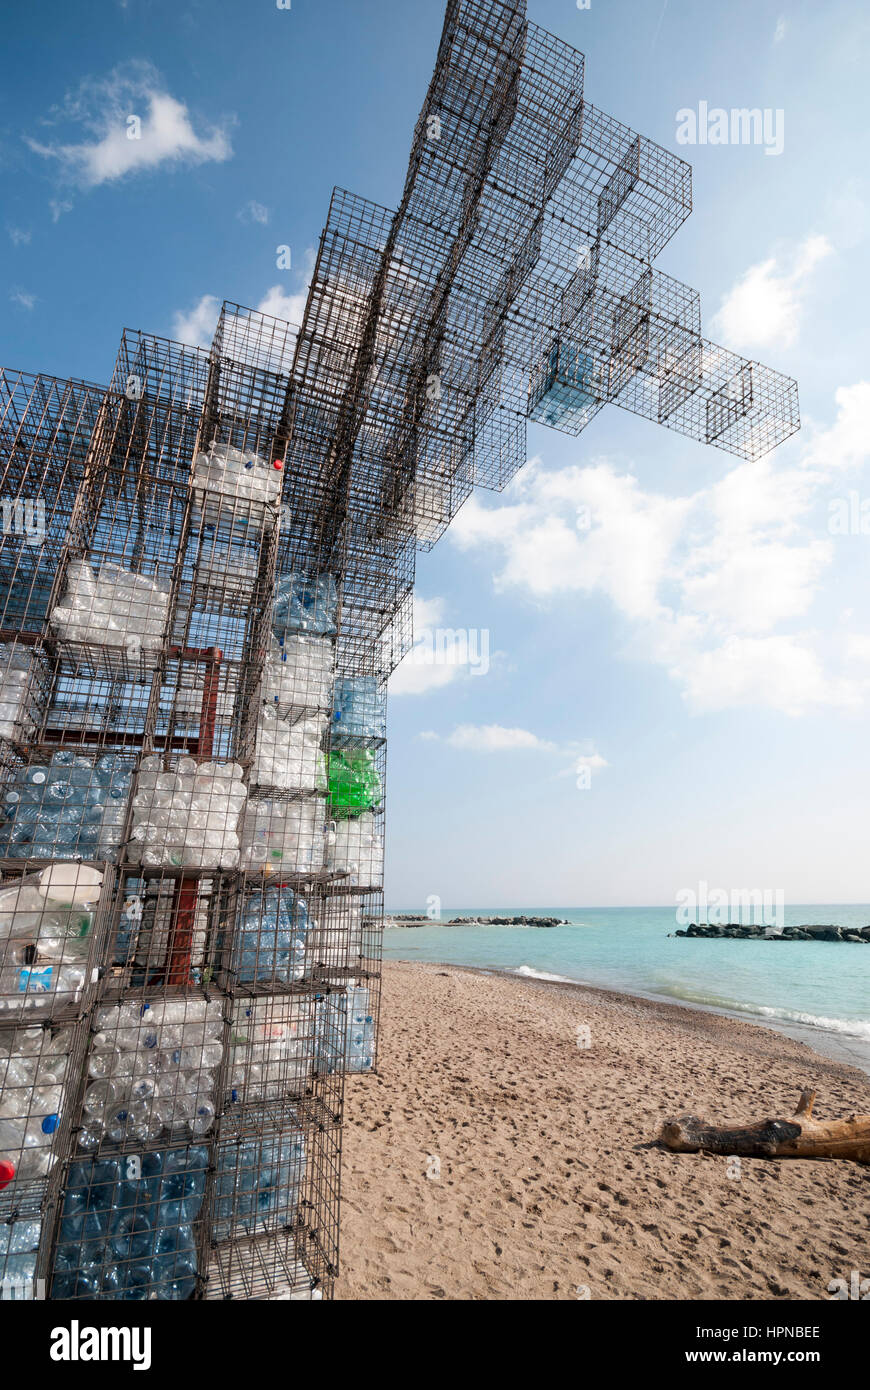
593, 761
253, 212
781, 29
500, 739
23, 298
494, 738
18, 236
58, 207
134, 125
764, 308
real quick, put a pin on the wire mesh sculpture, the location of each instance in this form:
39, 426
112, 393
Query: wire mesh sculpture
205, 578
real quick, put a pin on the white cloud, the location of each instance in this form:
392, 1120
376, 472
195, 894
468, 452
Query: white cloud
253, 212
107, 110
764, 308
858, 648
624, 552
280, 305
781, 29
593, 761
754, 585
844, 446
23, 298
419, 678
18, 236
496, 738
428, 612
196, 327
781, 672
708, 584
58, 207
493, 738
439, 654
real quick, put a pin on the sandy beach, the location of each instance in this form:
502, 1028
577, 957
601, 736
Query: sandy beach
543, 1180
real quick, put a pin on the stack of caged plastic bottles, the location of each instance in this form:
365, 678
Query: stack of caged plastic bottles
181, 903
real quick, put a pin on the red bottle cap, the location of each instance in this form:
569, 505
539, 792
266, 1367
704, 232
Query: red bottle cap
7, 1173
279, 464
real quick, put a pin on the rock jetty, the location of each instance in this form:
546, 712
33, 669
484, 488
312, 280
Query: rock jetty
739, 932
508, 922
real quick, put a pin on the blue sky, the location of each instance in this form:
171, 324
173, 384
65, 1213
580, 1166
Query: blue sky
702, 650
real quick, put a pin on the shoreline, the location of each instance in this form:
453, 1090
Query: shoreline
851, 1052
497, 1155
835, 1046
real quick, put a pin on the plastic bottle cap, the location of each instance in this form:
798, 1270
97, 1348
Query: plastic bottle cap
7, 1173
279, 464
50, 1123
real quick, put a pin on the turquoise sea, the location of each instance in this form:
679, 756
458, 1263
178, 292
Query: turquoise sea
817, 991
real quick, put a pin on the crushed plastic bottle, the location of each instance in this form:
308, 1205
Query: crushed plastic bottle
273, 1048
359, 708
17, 696
345, 1032
152, 1070
284, 836
128, 1227
33, 1069
305, 605
355, 847
259, 1184
269, 939
112, 607
289, 756
19, 1241
298, 673
71, 807
354, 782
187, 818
45, 925
235, 488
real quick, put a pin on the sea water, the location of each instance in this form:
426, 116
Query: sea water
816, 991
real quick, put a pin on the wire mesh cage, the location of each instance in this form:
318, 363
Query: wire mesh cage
130, 1226
274, 1210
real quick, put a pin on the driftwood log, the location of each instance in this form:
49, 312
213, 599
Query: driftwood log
798, 1137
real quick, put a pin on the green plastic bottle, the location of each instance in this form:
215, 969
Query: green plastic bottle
354, 784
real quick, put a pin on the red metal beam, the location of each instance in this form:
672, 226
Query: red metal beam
187, 889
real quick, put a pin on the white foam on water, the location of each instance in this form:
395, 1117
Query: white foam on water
528, 973
848, 1027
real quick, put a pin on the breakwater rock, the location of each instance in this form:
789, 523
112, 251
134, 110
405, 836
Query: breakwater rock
507, 922
738, 931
